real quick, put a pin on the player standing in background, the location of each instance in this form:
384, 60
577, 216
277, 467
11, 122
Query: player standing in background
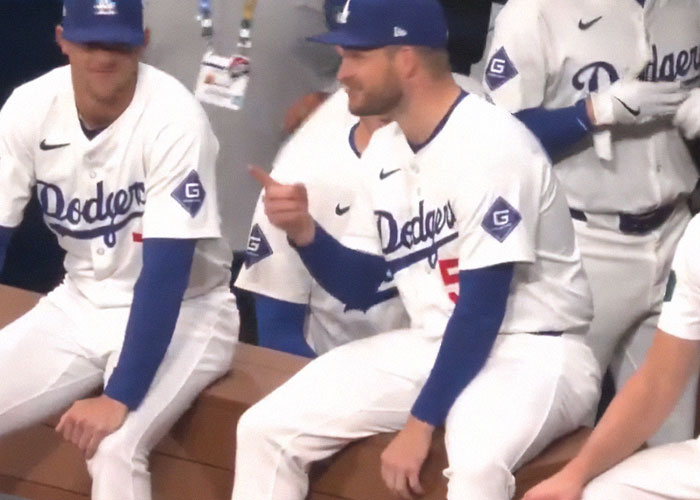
475, 235
668, 472
294, 313
627, 188
123, 159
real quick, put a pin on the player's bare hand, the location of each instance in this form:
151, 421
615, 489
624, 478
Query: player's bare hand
403, 459
287, 207
561, 486
301, 109
89, 421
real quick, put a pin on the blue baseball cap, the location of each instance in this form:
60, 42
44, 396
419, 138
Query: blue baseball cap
103, 21
378, 23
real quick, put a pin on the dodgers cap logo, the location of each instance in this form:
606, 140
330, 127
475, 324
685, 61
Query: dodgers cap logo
103, 21
378, 23
344, 14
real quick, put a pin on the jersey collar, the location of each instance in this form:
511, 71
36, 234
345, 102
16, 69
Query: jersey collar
417, 147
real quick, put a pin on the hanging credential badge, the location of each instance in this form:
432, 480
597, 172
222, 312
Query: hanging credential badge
223, 80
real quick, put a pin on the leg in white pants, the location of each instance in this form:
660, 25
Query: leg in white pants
628, 276
668, 472
72, 357
356, 390
43, 370
532, 390
369, 386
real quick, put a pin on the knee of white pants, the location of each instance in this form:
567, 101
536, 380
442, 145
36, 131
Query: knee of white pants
482, 480
259, 428
265, 434
117, 459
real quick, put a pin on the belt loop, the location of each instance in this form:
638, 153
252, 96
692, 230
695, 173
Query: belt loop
578, 215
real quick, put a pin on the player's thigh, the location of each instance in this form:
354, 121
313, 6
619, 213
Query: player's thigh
621, 272
355, 390
200, 351
532, 390
42, 367
668, 472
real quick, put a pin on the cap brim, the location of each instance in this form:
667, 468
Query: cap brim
105, 35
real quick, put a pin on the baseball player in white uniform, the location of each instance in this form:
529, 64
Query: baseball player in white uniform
296, 314
123, 159
668, 472
627, 188
324, 155
480, 244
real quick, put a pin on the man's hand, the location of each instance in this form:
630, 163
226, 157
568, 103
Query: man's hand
301, 109
564, 485
287, 207
688, 116
403, 458
634, 101
89, 421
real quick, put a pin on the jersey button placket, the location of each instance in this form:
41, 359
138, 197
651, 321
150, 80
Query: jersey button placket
92, 165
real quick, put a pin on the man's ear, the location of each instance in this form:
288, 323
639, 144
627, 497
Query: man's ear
59, 39
407, 61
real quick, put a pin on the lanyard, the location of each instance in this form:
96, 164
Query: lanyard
246, 24
205, 19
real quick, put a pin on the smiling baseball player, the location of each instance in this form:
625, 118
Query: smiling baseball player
296, 314
627, 188
479, 241
122, 158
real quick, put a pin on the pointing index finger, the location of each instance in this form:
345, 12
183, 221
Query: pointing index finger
260, 175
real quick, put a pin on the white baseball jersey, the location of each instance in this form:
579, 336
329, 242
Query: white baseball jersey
150, 174
552, 53
680, 315
479, 193
320, 155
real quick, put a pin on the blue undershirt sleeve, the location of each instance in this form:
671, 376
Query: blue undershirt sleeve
158, 295
469, 337
557, 129
281, 325
5, 237
331, 263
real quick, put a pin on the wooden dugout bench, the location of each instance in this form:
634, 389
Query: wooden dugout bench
195, 460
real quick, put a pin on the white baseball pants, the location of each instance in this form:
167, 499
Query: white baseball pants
668, 472
531, 390
628, 275
65, 348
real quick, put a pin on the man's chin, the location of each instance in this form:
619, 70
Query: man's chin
359, 109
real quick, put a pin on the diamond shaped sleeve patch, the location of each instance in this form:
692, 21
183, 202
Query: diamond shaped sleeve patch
190, 193
258, 247
500, 69
501, 219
